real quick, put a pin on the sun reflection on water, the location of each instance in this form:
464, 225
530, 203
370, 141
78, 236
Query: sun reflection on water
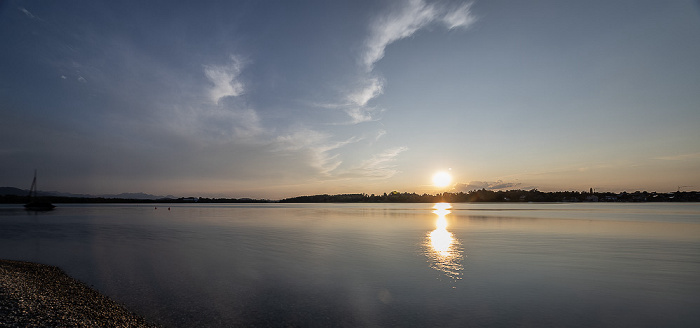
443, 250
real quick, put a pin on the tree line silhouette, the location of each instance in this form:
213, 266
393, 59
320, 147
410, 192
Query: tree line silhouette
482, 195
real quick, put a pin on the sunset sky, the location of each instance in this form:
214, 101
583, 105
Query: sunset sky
273, 99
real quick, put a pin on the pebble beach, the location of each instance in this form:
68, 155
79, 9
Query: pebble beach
37, 295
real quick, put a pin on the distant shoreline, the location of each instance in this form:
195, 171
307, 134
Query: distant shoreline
473, 196
37, 295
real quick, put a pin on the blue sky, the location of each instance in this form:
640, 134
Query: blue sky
282, 98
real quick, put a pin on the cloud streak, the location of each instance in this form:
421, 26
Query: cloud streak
27, 13
223, 118
488, 185
317, 145
225, 80
406, 21
460, 17
681, 157
394, 26
379, 166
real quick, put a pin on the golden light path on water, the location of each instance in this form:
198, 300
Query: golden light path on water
443, 250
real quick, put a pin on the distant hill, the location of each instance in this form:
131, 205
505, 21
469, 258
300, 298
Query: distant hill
12, 191
137, 195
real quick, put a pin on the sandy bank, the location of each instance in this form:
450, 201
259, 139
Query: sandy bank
36, 295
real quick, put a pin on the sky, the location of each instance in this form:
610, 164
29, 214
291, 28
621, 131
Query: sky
275, 99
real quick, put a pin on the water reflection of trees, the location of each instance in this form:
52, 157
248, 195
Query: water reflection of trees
443, 249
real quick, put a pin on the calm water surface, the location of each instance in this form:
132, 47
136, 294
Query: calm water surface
421, 265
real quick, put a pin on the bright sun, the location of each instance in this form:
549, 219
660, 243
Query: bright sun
442, 179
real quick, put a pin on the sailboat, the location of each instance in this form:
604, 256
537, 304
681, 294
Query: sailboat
34, 203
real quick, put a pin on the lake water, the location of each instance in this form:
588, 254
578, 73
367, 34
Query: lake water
419, 265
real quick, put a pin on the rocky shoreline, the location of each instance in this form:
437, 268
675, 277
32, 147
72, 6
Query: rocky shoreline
37, 295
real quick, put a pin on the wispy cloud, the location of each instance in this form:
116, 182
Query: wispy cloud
219, 120
371, 88
224, 117
681, 157
380, 134
406, 21
301, 138
360, 114
488, 185
318, 145
460, 17
395, 26
27, 13
225, 79
357, 100
402, 23
243, 124
379, 166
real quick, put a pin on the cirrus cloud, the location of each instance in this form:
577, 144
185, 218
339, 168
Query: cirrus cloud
406, 21
393, 26
225, 79
488, 185
379, 166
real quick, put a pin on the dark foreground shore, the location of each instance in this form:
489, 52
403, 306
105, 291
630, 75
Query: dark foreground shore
36, 295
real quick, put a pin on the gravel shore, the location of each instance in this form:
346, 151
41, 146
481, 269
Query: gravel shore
37, 295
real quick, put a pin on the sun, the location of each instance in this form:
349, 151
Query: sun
442, 179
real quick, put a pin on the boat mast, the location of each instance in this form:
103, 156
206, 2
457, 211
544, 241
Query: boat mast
32, 189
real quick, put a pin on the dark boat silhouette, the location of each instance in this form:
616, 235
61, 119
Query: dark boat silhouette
34, 203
